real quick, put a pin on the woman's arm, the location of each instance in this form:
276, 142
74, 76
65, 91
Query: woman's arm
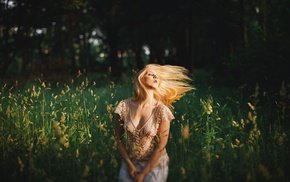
119, 135
163, 133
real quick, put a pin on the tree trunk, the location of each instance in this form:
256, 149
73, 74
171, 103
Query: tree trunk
244, 22
263, 19
112, 42
137, 49
5, 51
6, 48
71, 42
192, 38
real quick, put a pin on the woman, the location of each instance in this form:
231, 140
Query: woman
144, 122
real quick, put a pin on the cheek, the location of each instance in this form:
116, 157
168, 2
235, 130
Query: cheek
145, 80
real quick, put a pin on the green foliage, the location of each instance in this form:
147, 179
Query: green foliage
64, 132
265, 58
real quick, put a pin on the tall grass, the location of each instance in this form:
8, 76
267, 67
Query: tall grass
64, 131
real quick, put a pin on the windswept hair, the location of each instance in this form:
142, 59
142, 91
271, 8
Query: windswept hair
173, 83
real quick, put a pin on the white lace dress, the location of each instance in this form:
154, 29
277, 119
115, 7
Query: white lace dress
140, 143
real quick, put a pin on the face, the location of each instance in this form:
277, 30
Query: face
150, 79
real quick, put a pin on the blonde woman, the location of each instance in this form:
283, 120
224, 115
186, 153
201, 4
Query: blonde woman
143, 122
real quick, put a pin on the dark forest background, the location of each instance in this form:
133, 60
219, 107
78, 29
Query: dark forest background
239, 41
64, 64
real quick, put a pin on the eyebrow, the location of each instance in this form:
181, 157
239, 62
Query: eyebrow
151, 72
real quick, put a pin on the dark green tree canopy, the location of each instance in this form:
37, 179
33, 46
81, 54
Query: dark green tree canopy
233, 37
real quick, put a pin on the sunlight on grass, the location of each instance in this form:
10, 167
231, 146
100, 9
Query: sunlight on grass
64, 131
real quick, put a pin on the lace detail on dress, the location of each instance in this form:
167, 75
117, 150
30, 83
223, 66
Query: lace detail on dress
121, 109
165, 114
142, 142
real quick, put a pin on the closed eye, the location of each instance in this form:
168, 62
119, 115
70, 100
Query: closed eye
153, 75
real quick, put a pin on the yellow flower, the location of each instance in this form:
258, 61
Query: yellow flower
77, 153
63, 140
183, 171
185, 132
66, 144
86, 171
251, 106
57, 128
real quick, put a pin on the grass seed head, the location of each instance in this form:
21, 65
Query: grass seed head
185, 132
57, 128
86, 171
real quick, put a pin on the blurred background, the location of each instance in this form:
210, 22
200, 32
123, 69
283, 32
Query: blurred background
237, 41
65, 64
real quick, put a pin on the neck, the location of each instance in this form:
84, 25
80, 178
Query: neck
148, 100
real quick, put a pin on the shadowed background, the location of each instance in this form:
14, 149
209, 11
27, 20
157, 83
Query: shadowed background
65, 64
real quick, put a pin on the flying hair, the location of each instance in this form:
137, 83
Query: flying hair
173, 83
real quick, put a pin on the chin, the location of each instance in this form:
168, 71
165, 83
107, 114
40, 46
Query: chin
153, 87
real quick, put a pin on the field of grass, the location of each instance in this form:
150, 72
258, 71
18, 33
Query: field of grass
56, 131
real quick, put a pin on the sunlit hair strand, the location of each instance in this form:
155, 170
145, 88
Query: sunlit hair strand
173, 83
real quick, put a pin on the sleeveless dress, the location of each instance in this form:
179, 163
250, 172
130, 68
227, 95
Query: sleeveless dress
140, 143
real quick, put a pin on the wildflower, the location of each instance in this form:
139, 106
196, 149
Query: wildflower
63, 140
112, 85
57, 128
235, 124
79, 73
251, 106
59, 155
67, 89
183, 171
66, 144
185, 132
209, 109
207, 105
8, 112
218, 140
77, 153
242, 123
45, 142
93, 154
102, 126
21, 165
237, 141
87, 81
234, 146
62, 118
182, 117
265, 172
101, 162
249, 177
250, 116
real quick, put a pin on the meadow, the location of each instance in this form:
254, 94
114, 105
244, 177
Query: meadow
63, 131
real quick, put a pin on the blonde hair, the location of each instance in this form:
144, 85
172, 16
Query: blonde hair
173, 83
